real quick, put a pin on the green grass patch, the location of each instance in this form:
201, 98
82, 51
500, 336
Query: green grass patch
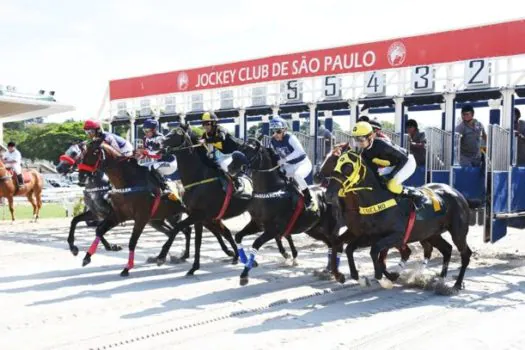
25, 211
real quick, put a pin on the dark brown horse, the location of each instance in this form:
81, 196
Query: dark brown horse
135, 196
379, 219
33, 184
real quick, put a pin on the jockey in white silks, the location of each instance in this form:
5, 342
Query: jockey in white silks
293, 158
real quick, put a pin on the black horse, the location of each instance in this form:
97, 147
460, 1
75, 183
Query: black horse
387, 221
97, 207
276, 208
135, 196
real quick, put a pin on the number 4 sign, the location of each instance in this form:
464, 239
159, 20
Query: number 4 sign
375, 84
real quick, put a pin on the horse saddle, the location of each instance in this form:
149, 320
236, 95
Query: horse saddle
242, 186
25, 175
433, 205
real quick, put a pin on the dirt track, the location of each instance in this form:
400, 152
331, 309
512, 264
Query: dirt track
50, 302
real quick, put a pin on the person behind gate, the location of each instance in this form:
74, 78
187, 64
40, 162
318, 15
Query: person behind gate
397, 165
13, 160
472, 131
293, 158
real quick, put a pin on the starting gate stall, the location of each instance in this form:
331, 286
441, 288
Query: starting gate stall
391, 76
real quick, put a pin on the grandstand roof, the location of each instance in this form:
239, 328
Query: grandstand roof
17, 107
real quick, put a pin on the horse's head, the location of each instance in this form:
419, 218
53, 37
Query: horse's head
71, 157
252, 155
178, 138
95, 158
344, 170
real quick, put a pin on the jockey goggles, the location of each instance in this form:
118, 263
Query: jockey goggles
277, 131
361, 138
90, 132
147, 130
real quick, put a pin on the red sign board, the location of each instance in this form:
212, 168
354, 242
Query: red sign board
503, 39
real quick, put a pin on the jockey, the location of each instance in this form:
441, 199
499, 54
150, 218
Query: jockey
13, 160
161, 165
398, 166
294, 160
219, 142
94, 131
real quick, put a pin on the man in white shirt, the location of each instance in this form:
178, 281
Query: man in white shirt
13, 160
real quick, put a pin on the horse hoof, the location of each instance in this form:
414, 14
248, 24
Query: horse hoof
176, 260
160, 261
442, 289
244, 281
235, 261
286, 255
341, 278
151, 260
394, 276
115, 248
125, 272
230, 253
355, 277
191, 272
386, 283
74, 250
86, 261
295, 262
255, 264
364, 282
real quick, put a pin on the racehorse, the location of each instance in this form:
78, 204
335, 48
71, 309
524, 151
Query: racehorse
386, 221
98, 208
208, 193
33, 185
135, 196
277, 207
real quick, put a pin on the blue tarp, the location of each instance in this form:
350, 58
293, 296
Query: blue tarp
417, 178
500, 185
470, 182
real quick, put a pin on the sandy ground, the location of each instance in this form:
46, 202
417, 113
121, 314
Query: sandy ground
48, 301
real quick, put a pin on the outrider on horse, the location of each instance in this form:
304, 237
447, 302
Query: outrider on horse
386, 220
15, 182
277, 208
135, 196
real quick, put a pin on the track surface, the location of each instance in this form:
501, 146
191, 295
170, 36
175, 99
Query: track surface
48, 301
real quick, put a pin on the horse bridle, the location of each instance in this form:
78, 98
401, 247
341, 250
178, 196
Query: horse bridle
100, 159
258, 155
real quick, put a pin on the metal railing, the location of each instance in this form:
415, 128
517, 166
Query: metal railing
438, 155
499, 150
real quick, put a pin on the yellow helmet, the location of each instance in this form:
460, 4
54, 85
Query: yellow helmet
362, 129
209, 117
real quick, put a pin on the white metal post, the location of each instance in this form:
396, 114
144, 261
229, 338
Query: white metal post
242, 123
354, 113
398, 118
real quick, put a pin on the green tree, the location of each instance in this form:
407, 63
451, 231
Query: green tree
45, 141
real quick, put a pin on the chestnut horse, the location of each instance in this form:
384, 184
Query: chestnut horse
33, 184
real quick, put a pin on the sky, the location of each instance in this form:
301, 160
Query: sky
75, 47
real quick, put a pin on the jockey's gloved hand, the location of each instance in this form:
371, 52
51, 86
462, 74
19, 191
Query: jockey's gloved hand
281, 162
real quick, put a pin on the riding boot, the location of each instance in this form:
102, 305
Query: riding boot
19, 183
307, 198
417, 197
160, 180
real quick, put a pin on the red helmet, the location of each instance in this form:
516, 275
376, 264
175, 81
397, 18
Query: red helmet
91, 125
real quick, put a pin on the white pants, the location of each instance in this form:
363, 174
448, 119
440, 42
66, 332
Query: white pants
164, 168
224, 160
16, 168
299, 172
405, 171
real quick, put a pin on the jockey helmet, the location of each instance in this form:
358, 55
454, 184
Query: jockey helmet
277, 123
150, 124
376, 125
209, 117
362, 129
91, 125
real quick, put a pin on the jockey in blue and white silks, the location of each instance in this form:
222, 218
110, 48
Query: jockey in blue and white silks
293, 158
160, 164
